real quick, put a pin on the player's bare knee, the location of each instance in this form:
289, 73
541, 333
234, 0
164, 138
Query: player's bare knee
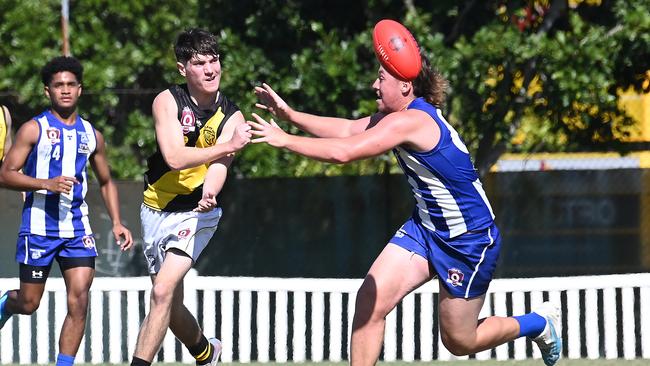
364, 299
368, 308
28, 306
456, 344
458, 349
162, 294
78, 298
78, 306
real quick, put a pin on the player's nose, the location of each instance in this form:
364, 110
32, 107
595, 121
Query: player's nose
209, 69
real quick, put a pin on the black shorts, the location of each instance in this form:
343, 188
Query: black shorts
39, 274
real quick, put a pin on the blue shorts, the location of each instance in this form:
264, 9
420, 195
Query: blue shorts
37, 250
464, 264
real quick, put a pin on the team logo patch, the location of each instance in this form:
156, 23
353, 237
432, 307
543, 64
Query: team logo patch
184, 233
151, 259
83, 149
36, 253
89, 241
455, 277
188, 120
209, 136
54, 135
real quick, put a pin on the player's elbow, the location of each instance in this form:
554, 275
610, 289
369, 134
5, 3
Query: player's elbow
344, 155
341, 156
174, 165
104, 181
174, 162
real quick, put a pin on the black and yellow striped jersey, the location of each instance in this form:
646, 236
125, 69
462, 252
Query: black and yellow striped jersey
181, 190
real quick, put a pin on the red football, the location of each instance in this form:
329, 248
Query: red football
397, 50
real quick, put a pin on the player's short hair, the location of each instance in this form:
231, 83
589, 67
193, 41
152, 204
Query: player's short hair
60, 64
195, 41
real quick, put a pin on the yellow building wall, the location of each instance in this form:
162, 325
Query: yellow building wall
637, 106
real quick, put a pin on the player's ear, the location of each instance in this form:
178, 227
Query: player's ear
46, 91
405, 87
181, 68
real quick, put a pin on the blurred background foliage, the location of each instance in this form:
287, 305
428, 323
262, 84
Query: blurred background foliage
525, 76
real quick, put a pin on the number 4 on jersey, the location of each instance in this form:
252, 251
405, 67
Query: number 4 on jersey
56, 154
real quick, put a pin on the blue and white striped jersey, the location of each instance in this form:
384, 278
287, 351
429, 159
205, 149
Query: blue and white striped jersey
61, 150
449, 196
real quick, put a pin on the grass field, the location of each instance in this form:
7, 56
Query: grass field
563, 362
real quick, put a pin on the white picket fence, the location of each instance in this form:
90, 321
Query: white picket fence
299, 319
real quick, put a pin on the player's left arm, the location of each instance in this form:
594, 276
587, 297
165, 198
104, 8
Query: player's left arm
99, 163
217, 172
392, 130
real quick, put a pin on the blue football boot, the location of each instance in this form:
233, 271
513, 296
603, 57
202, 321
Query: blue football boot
4, 315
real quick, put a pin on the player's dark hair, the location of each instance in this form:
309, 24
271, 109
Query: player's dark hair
60, 64
194, 42
430, 84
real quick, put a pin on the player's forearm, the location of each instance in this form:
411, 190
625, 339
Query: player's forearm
214, 180
321, 126
190, 157
111, 201
20, 182
324, 149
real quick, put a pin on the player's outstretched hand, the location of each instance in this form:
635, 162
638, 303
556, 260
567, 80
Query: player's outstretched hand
241, 137
206, 204
123, 237
272, 102
60, 184
268, 132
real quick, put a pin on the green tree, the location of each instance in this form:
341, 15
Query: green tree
545, 72
125, 48
557, 67
525, 75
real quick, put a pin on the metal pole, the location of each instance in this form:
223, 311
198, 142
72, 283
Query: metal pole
64, 26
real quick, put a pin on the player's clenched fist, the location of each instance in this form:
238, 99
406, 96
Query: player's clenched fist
207, 203
60, 184
241, 137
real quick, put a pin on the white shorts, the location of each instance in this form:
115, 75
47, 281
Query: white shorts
187, 231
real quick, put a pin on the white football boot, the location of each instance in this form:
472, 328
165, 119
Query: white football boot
217, 351
550, 340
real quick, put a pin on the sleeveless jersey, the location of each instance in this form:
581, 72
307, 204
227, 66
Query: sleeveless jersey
3, 132
449, 196
181, 190
60, 150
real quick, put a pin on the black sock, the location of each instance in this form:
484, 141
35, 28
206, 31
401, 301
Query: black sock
202, 351
139, 362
